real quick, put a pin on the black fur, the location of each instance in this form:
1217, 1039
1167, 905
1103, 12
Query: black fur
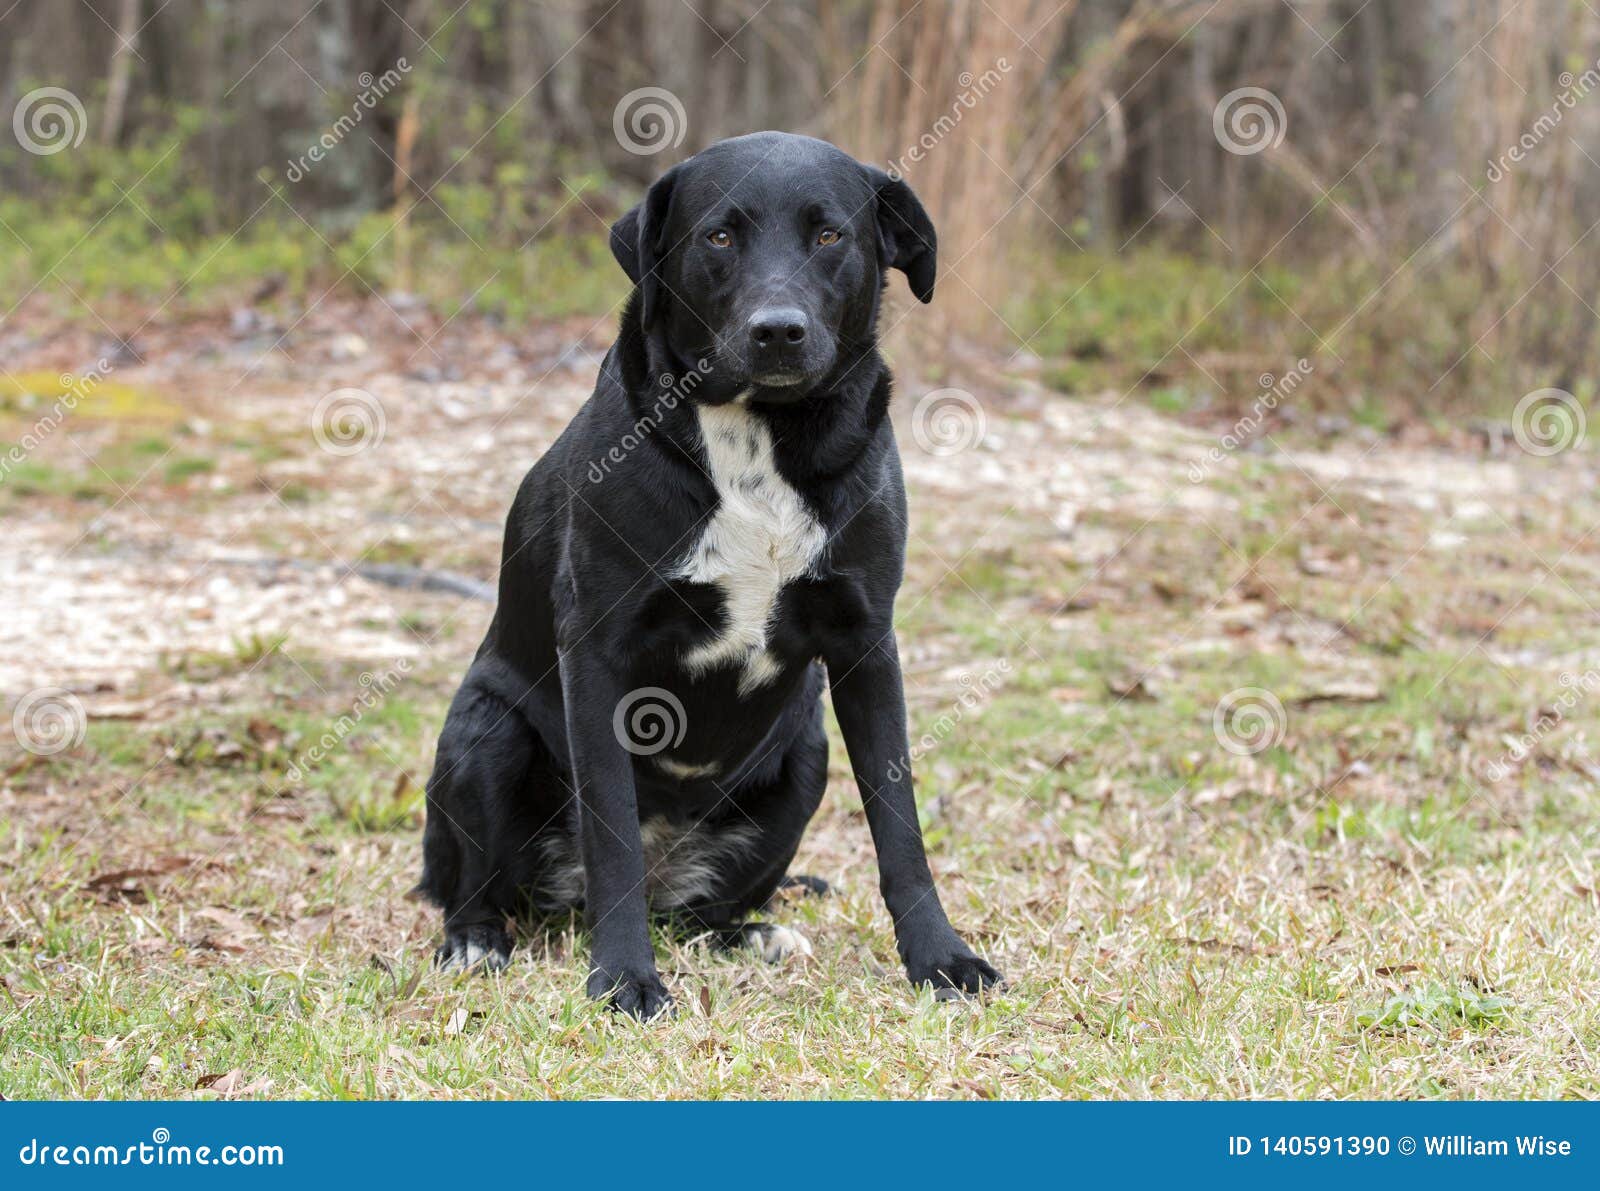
530, 771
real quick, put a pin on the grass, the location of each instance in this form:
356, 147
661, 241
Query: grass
510, 245
215, 881
1195, 337
1184, 329
1352, 911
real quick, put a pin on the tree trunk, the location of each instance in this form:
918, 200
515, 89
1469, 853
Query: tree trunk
121, 74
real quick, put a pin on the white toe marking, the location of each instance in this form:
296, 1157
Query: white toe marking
777, 943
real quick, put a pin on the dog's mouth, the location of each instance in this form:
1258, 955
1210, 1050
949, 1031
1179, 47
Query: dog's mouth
779, 378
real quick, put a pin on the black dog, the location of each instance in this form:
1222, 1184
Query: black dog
642, 727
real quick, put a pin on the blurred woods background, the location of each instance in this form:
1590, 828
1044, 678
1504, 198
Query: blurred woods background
1096, 223
1254, 720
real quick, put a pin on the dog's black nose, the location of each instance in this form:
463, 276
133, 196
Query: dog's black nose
776, 327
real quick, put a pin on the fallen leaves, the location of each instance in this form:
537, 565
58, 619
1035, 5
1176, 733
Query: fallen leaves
266, 734
1228, 947
1339, 690
233, 1085
1135, 687
8, 985
460, 1020
235, 933
134, 884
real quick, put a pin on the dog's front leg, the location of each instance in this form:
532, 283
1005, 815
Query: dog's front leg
623, 963
870, 703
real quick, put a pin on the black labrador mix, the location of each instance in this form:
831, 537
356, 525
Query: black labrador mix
642, 727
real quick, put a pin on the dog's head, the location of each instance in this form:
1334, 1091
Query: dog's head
766, 255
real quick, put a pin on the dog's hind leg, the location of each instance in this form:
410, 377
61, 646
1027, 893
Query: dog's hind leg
801, 885
782, 808
476, 819
770, 940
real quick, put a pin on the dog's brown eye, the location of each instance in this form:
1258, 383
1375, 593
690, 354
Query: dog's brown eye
720, 238
828, 235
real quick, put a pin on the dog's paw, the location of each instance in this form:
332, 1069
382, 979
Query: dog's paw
772, 942
484, 945
954, 973
638, 994
804, 885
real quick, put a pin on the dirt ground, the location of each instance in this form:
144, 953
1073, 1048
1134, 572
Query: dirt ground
1263, 774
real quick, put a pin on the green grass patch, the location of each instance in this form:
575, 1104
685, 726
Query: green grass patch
1194, 336
1436, 1007
512, 245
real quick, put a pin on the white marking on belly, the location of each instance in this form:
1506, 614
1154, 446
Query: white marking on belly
761, 537
683, 863
684, 772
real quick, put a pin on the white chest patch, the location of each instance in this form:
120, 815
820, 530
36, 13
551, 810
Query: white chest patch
761, 537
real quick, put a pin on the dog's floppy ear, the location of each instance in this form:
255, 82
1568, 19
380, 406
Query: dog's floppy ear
905, 232
638, 239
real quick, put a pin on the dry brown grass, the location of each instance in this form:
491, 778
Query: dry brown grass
1175, 920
